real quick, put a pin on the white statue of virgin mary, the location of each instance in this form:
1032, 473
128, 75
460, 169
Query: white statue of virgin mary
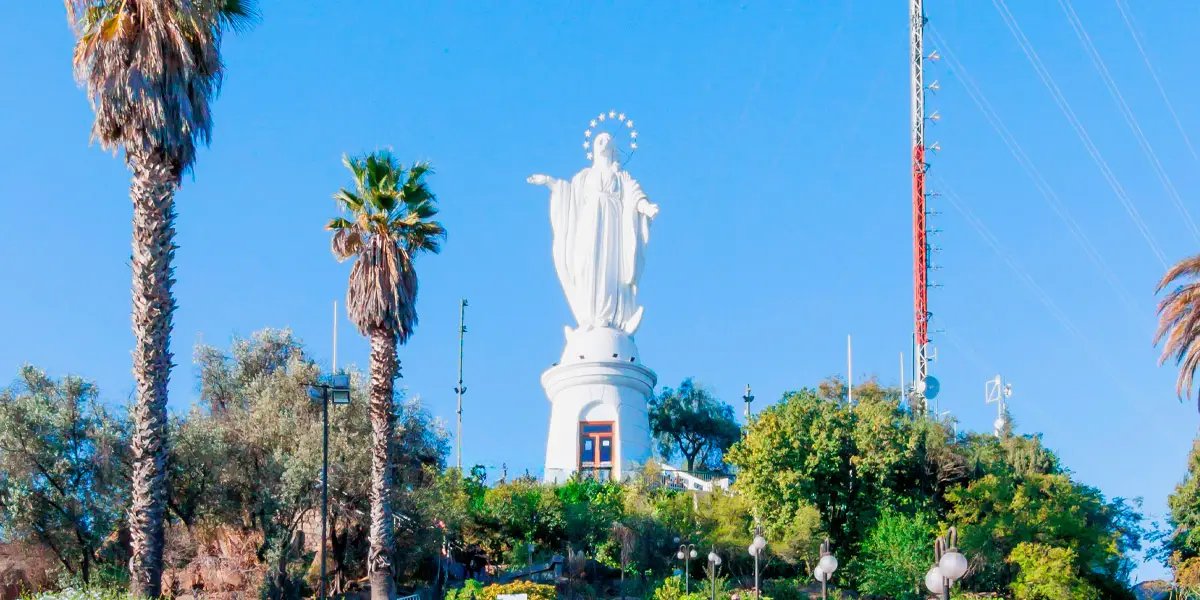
601, 221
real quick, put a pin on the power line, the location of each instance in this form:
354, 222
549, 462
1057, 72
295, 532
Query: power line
993, 118
1137, 39
1028, 281
1127, 113
1061, 100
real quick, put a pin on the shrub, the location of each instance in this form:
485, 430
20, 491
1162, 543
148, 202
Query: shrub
92, 593
1048, 573
785, 589
469, 591
670, 589
535, 591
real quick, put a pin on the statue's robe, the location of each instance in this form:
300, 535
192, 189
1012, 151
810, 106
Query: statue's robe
599, 246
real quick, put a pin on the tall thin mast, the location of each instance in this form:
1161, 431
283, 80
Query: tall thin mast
335, 336
849, 374
461, 389
920, 239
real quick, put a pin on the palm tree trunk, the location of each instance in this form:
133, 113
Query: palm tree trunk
383, 374
153, 193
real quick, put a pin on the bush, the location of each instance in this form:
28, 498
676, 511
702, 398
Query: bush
785, 589
670, 589
93, 593
469, 591
535, 591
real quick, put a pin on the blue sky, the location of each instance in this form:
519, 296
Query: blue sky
775, 138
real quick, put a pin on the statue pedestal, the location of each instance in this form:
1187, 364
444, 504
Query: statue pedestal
598, 398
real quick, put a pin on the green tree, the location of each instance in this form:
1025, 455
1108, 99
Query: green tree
391, 211
249, 454
63, 468
152, 69
997, 513
727, 522
813, 448
896, 554
590, 508
1048, 573
690, 422
514, 514
1184, 510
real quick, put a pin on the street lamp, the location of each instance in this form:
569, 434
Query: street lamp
336, 391
714, 561
949, 565
686, 553
748, 398
756, 549
825, 567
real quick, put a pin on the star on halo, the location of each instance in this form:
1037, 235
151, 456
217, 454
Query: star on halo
596, 126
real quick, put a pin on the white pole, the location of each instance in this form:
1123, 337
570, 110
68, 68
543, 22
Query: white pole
849, 373
902, 391
335, 336
461, 389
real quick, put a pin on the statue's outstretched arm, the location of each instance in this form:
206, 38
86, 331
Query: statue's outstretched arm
644, 206
545, 180
647, 207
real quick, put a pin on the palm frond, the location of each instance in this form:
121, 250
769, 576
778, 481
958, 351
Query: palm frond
389, 223
1188, 267
152, 69
240, 15
346, 242
1179, 323
350, 201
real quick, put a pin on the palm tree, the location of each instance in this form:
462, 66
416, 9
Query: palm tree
152, 69
390, 221
1179, 322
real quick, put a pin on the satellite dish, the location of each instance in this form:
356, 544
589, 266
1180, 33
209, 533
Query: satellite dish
932, 387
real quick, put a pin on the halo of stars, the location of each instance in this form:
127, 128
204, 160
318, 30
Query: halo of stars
609, 116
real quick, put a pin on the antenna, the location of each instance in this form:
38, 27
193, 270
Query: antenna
921, 247
461, 389
998, 391
335, 336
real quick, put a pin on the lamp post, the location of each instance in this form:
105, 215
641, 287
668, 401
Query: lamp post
748, 398
714, 561
949, 565
336, 391
686, 553
825, 567
756, 549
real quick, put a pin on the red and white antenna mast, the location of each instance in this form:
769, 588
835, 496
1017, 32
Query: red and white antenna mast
921, 246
